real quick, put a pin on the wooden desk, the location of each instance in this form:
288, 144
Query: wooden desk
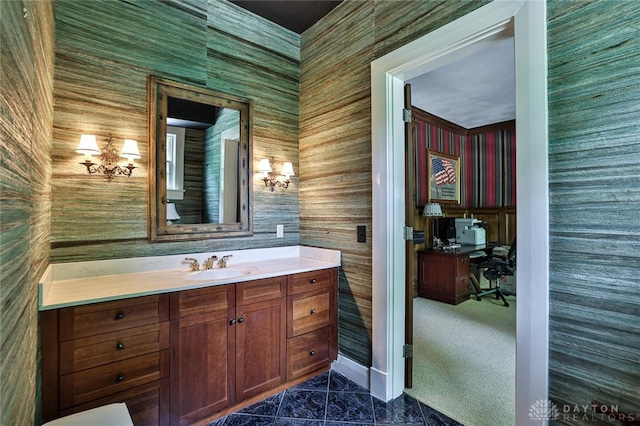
444, 275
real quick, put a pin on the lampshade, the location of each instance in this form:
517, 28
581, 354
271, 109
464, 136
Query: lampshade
432, 209
88, 145
264, 166
287, 169
172, 213
130, 150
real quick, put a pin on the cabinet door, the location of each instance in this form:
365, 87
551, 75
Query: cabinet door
260, 347
202, 358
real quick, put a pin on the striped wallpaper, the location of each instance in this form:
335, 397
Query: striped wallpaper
487, 171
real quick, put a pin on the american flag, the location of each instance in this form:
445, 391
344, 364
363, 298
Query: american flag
443, 171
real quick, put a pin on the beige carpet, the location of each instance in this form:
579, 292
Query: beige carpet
464, 359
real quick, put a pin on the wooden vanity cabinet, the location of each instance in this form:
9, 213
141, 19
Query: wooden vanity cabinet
185, 357
202, 352
261, 351
311, 322
107, 352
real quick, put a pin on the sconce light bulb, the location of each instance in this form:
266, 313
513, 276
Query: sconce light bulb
130, 150
287, 170
265, 167
88, 146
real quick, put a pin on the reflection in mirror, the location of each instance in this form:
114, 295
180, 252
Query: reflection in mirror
201, 141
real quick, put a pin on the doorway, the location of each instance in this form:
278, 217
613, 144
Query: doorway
388, 74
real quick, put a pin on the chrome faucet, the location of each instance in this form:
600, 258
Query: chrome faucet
208, 264
222, 263
194, 263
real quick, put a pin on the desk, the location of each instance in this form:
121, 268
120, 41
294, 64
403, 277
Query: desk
444, 275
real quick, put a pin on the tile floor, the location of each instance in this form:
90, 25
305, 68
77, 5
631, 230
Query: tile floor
331, 399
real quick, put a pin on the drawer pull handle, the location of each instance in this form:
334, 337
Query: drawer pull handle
119, 315
233, 321
313, 311
240, 319
120, 346
120, 377
313, 280
312, 353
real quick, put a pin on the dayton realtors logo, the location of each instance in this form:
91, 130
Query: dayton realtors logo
542, 410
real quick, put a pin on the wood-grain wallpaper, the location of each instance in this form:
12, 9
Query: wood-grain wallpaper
104, 52
335, 138
26, 110
594, 172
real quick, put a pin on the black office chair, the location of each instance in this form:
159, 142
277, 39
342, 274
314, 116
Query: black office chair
494, 269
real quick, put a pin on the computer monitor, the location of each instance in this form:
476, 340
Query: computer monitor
445, 229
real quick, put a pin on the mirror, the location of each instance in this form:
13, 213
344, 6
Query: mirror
199, 163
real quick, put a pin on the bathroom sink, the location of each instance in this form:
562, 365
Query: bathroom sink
220, 273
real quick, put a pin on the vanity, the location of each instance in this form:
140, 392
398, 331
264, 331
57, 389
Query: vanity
184, 347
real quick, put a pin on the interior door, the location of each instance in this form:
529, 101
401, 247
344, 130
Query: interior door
410, 255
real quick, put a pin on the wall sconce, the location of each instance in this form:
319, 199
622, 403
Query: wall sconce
109, 156
270, 177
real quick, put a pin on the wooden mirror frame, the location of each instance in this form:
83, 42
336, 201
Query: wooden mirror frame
159, 90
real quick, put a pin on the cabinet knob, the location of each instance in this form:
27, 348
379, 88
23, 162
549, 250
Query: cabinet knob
313, 280
313, 311
120, 315
233, 321
312, 353
462, 280
240, 319
120, 377
120, 346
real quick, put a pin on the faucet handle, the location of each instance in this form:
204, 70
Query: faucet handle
194, 263
223, 260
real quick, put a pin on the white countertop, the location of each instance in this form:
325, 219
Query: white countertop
78, 283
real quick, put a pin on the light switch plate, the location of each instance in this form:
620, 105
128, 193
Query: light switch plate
279, 231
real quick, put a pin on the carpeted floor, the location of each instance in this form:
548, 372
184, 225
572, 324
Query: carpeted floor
464, 359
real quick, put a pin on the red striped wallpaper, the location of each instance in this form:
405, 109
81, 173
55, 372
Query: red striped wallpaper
487, 164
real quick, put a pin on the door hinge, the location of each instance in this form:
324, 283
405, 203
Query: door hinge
407, 351
408, 233
406, 115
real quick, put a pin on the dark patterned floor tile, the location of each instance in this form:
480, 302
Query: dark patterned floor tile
436, 418
334, 423
267, 407
283, 421
218, 422
319, 383
402, 410
302, 404
248, 420
350, 407
339, 383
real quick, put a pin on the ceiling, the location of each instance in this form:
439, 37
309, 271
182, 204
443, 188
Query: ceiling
471, 88
294, 15
473, 91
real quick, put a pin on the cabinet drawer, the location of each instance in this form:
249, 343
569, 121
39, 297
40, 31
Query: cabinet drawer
462, 265
309, 352
88, 385
100, 318
202, 301
260, 290
310, 311
309, 281
145, 403
87, 352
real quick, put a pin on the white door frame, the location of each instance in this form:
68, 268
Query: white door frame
388, 75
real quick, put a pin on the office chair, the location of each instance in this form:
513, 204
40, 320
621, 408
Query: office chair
494, 269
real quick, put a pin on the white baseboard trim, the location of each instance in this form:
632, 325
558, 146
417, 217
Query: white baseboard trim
379, 381
355, 372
